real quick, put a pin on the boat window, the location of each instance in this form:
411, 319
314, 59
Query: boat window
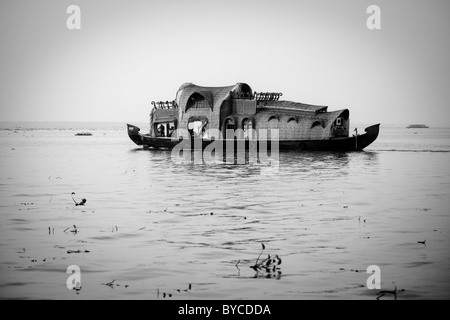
292, 128
339, 121
229, 124
316, 123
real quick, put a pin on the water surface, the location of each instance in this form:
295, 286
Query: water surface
156, 226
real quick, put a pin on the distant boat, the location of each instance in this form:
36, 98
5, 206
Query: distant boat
417, 126
83, 134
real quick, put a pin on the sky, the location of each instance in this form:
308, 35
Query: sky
128, 53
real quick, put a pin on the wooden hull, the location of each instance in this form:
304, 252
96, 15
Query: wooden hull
354, 143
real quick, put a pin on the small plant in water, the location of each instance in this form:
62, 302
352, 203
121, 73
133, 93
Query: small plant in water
81, 203
268, 266
169, 295
394, 292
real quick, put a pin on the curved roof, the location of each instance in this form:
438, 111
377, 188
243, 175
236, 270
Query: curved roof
214, 95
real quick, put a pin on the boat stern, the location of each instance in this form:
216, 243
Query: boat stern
367, 138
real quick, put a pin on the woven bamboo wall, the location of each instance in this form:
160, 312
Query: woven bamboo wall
293, 120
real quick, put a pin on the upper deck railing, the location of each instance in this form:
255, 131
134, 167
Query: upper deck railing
267, 96
165, 104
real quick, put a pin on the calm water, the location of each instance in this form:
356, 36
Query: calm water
147, 222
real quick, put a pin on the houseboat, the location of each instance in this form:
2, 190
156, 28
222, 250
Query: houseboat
246, 113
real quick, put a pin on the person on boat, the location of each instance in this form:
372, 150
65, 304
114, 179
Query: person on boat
161, 130
171, 131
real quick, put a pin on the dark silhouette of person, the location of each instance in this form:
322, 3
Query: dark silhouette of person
161, 130
170, 131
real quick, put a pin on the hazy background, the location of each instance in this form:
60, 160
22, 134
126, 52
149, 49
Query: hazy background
128, 53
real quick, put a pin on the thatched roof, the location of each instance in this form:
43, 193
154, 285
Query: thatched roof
293, 106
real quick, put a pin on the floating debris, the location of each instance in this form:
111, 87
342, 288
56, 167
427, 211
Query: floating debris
393, 292
169, 295
81, 203
112, 284
77, 287
109, 284
75, 230
206, 214
77, 251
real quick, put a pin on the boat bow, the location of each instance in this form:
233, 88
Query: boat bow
135, 135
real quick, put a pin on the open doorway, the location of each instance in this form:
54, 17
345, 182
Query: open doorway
197, 127
247, 126
229, 127
165, 129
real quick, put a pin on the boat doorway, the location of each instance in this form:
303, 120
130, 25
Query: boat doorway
247, 126
164, 129
197, 127
228, 128
272, 125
